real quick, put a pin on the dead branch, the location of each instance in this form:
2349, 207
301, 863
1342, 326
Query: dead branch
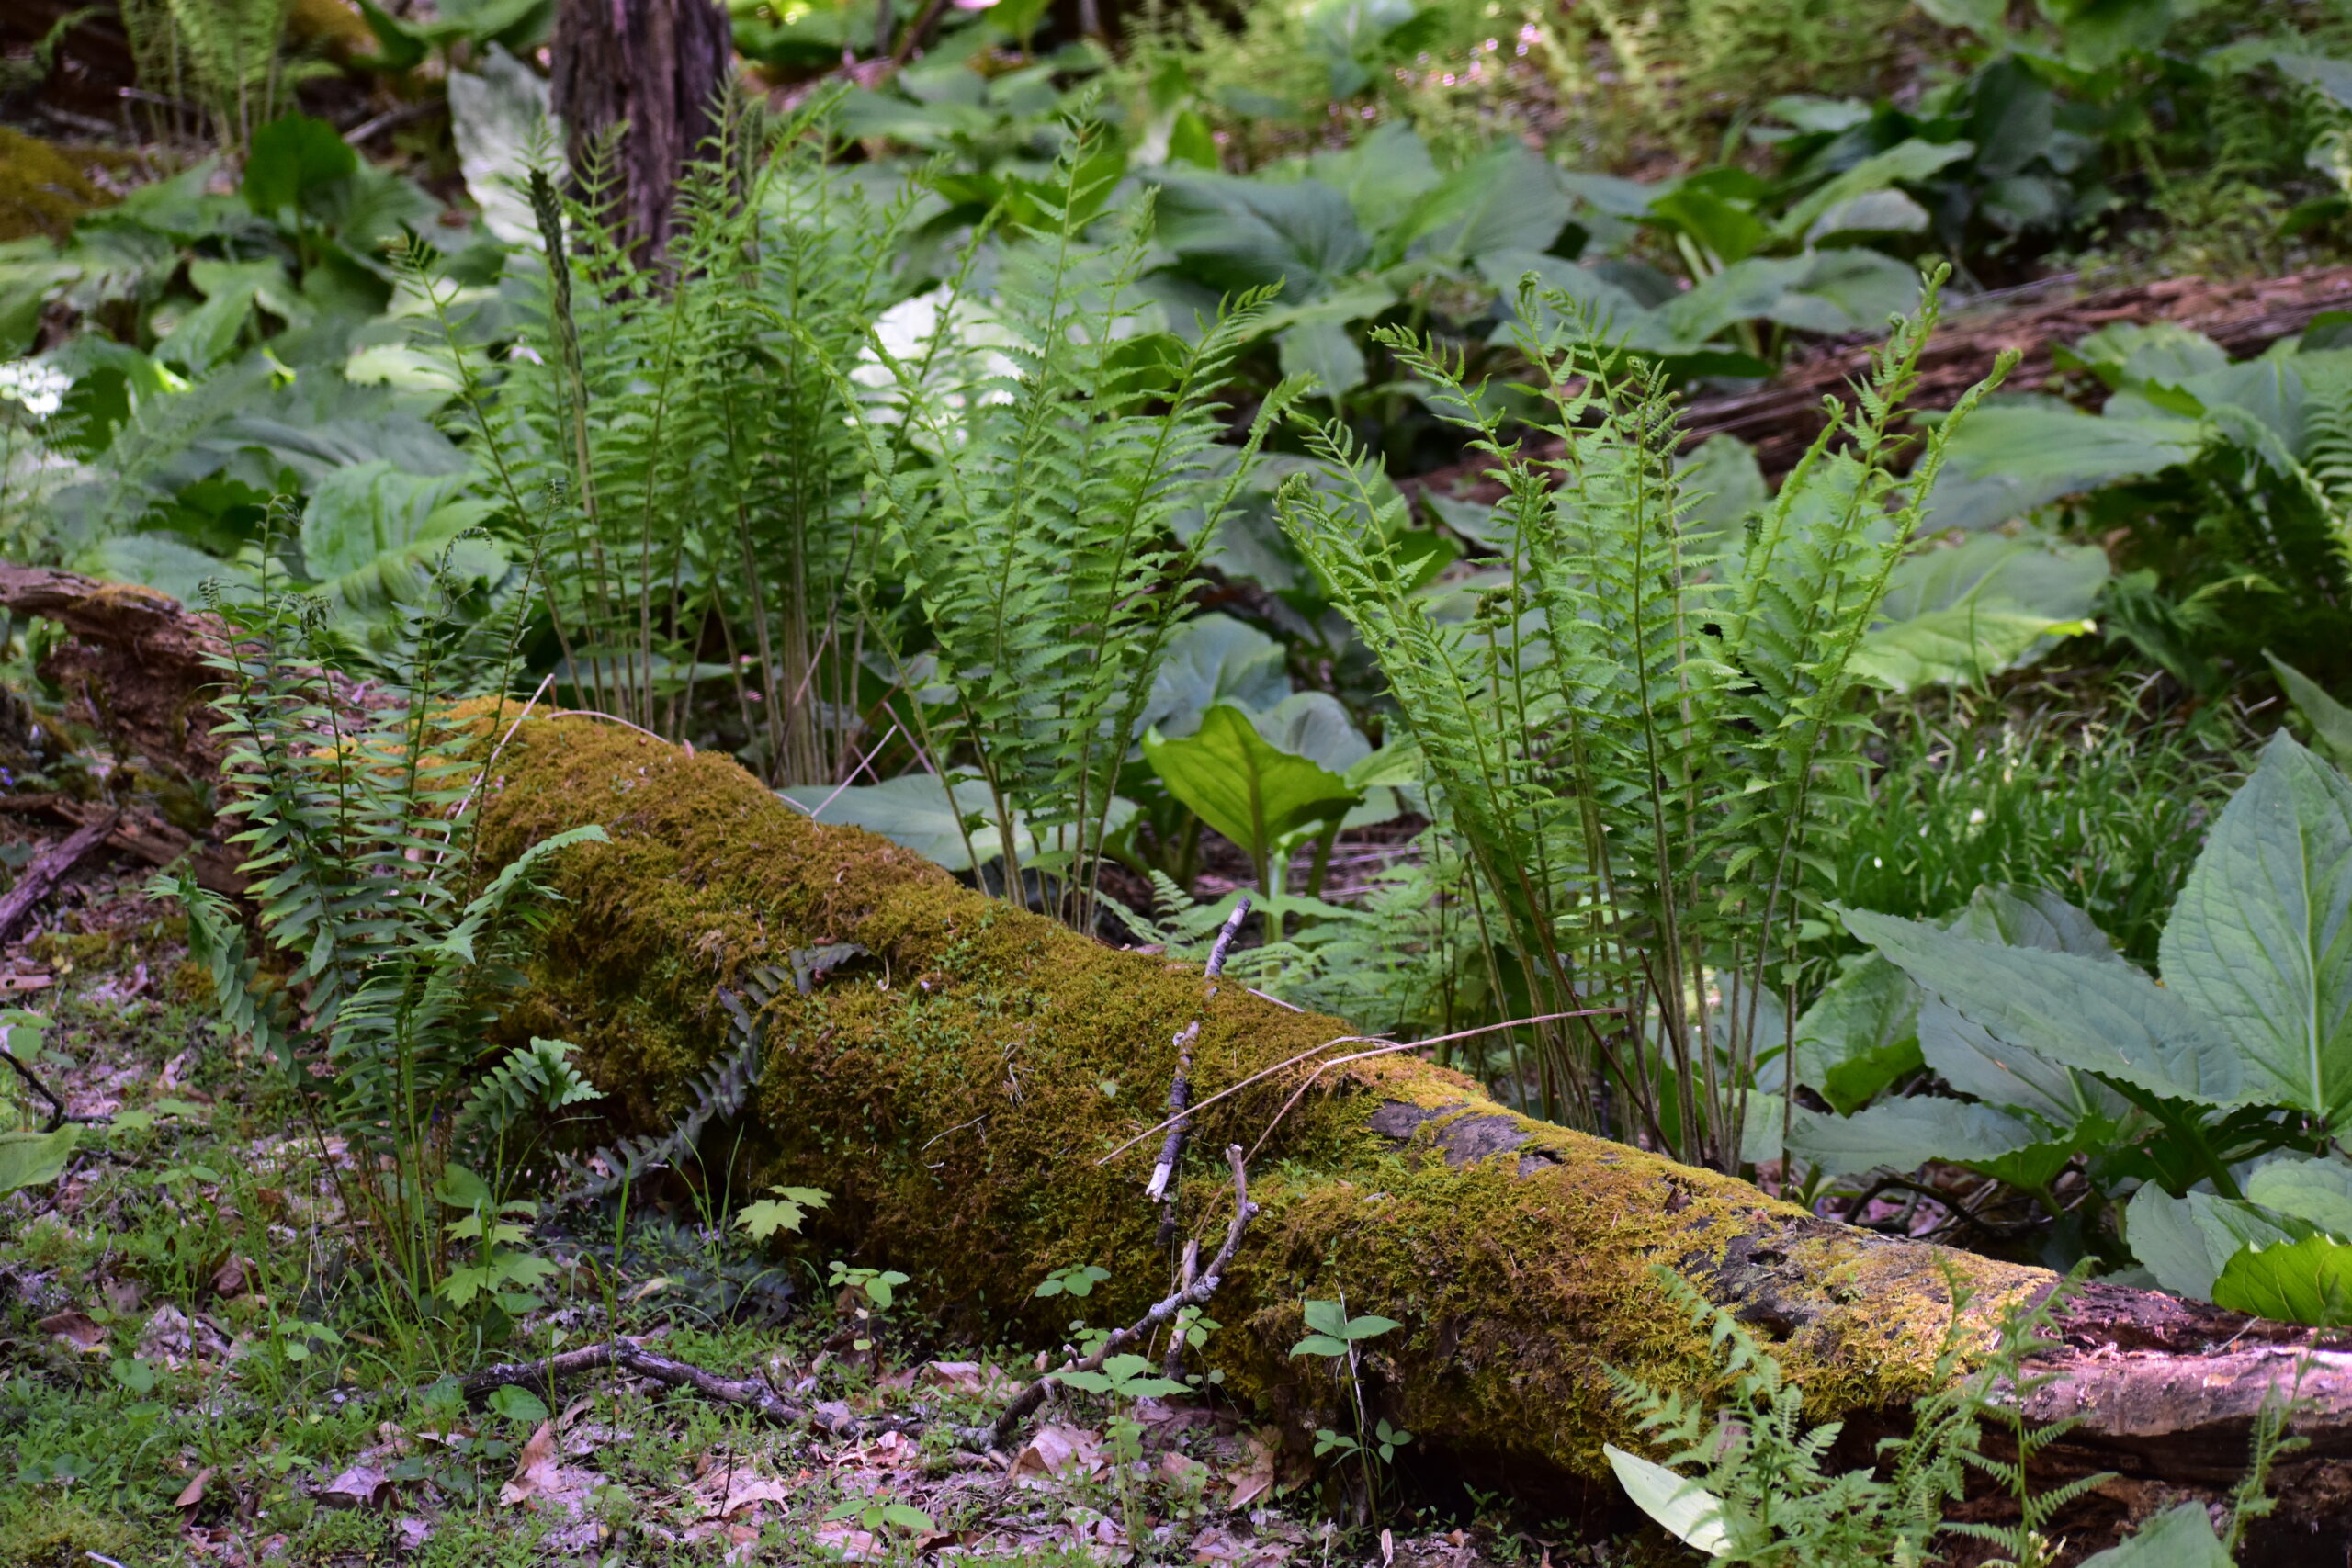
1195, 1294
34, 882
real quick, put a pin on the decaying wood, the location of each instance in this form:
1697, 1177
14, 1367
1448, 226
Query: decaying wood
136, 664
51, 867
622, 1355
1780, 418
957, 1089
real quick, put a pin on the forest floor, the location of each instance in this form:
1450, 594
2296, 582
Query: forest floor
191, 1371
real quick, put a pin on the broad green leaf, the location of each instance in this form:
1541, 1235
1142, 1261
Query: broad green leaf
1215, 658
1236, 234
1960, 614
2011, 458
1254, 794
2180, 1537
1326, 350
1381, 175
2185, 1242
166, 563
1968, 1057
290, 157
1906, 1132
1847, 292
2152, 357
2330, 75
35, 1159
2307, 1280
1509, 199
1609, 313
2260, 941
1316, 726
1875, 212
1860, 1034
1684, 1509
369, 515
2318, 1189
2330, 720
2080, 1012
495, 113
1902, 163
1326, 1317
519, 1405
1721, 483
916, 812
2032, 917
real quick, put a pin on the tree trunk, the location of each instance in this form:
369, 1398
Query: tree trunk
650, 72
958, 1089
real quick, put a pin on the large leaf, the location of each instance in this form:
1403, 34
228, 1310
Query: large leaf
35, 1159
1603, 309
1860, 1034
2080, 1012
2260, 941
2180, 1537
1847, 292
915, 812
1235, 233
1326, 350
1383, 174
1508, 200
1215, 658
372, 532
2185, 1242
290, 157
1683, 1508
2330, 720
1960, 614
2307, 1280
166, 563
1902, 163
1906, 1132
1243, 786
497, 115
2012, 457
2313, 1188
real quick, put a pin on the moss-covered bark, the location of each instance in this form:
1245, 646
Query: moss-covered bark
956, 1091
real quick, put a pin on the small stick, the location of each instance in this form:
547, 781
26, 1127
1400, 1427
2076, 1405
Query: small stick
1193, 1294
1180, 1088
1354, 1040
1381, 1051
44, 874
1185, 1275
745, 1393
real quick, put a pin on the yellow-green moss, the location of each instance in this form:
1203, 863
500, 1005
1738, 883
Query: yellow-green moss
42, 190
956, 1091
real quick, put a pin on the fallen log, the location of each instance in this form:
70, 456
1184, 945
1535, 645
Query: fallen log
51, 867
1780, 417
135, 666
956, 1088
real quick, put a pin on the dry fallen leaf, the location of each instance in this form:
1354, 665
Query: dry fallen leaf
124, 1295
361, 1486
535, 1470
411, 1535
233, 1279
1055, 1449
1254, 1477
77, 1328
193, 1493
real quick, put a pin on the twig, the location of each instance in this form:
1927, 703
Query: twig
1179, 1088
1320, 1067
1191, 1295
744, 1393
391, 117
1351, 1040
37, 879
57, 1117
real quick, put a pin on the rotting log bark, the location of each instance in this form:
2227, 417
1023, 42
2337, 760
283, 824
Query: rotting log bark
955, 1090
1780, 417
135, 665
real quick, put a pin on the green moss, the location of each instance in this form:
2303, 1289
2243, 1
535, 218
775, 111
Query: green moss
957, 1090
42, 190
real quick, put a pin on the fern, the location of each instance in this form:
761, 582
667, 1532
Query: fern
530, 1078
1026, 491
358, 837
1636, 743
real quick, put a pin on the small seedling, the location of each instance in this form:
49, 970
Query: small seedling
782, 1212
1078, 1280
1334, 1335
877, 1515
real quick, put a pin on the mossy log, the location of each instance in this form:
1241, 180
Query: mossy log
957, 1089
